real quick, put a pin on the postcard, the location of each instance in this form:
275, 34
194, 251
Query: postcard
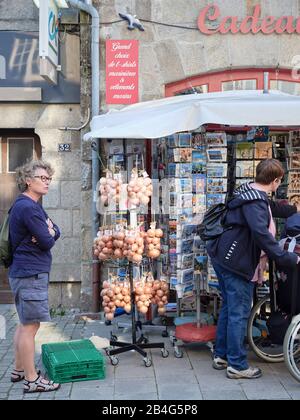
185, 140
173, 282
217, 170
199, 167
245, 169
184, 170
172, 169
116, 149
199, 245
188, 289
217, 155
294, 199
216, 185
244, 151
295, 160
262, 134
186, 276
263, 150
184, 185
199, 155
185, 215
198, 141
200, 262
185, 262
180, 155
199, 183
185, 155
185, 246
199, 203
172, 141
294, 181
213, 199
189, 231
216, 139
294, 139
184, 201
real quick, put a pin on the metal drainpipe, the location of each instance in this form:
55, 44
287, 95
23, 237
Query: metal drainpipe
95, 61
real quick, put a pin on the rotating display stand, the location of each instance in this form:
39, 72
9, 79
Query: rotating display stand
137, 344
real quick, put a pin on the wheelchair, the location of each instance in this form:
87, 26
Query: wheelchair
284, 295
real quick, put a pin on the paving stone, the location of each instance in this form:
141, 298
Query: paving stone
178, 392
224, 395
139, 397
264, 391
136, 386
92, 394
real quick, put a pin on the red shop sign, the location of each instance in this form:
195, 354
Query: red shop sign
122, 67
250, 24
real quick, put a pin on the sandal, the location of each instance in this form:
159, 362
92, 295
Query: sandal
19, 375
40, 385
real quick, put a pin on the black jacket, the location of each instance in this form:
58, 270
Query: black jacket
239, 249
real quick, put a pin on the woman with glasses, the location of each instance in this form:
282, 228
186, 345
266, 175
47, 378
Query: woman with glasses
32, 235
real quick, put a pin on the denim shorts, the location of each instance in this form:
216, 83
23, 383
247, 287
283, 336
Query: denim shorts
31, 298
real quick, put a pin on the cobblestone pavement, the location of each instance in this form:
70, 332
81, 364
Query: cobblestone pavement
189, 378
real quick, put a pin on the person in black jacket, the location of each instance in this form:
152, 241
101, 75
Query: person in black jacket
236, 255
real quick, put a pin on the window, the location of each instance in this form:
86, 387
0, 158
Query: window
193, 89
250, 84
287, 87
19, 150
236, 79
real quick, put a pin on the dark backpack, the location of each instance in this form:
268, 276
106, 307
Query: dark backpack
5, 245
213, 224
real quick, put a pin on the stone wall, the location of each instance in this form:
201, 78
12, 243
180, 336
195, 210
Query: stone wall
63, 203
169, 54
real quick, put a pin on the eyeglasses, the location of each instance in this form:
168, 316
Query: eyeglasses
43, 178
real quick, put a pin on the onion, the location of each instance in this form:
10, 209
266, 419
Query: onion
109, 316
151, 233
137, 258
127, 308
159, 233
161, 311
143, 309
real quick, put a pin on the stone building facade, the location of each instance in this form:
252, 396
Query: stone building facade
171, 50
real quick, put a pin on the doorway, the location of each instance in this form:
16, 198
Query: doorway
16, 147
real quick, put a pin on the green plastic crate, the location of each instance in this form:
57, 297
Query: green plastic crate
73, 361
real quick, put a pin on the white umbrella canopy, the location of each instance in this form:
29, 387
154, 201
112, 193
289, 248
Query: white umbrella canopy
167, 116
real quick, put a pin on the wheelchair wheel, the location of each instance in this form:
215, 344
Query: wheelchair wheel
258, 334
291, 348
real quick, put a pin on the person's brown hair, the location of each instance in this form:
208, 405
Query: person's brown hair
268, 170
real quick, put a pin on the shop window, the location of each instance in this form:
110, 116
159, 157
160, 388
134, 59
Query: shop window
19, 151
287, 87
250, 84
193, 89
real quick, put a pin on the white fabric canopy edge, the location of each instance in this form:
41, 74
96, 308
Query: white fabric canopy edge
163, 117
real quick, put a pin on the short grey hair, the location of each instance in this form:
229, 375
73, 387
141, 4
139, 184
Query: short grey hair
27, 171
